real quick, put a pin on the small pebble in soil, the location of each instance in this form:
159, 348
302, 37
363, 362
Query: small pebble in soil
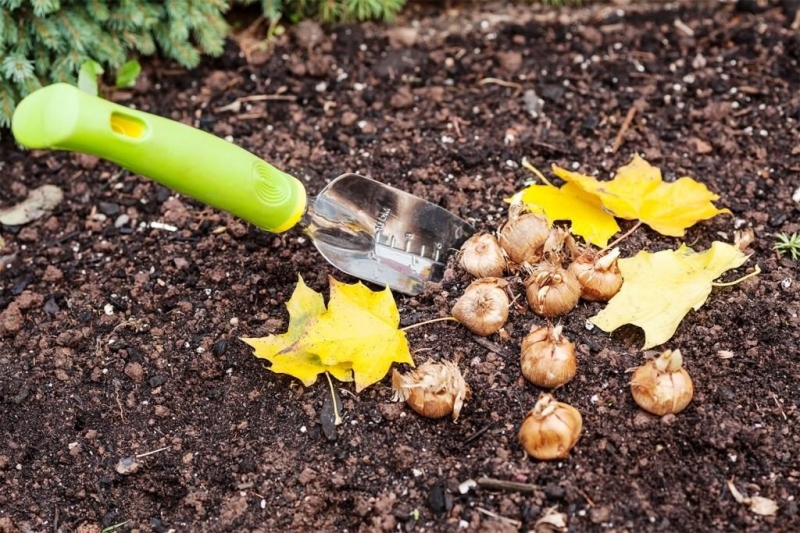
440, 499
127, 466
219, 347
157, 381
108, 208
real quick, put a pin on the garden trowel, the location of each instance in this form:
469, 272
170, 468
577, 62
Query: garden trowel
363, 227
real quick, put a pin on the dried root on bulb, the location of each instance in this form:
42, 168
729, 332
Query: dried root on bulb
547, 357
553, 247
482, 256
433, 390
483, 308
662, 386
550, 429
551, 290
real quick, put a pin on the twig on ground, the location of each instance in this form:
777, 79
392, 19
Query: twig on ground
139, 456
586, 497
624, 236
511, 521
624, 128
119, 404
478, 434
510, 486
115, 526
775, 397
497, 81
489, 345
236, 105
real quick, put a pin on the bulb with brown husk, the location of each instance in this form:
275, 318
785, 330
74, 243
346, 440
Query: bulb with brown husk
550, 429
596, 271
662, 386
552, 290
482, 256
523, 236
547, 357
433, 390
483, 308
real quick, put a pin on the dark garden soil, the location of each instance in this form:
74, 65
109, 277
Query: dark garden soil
120, 339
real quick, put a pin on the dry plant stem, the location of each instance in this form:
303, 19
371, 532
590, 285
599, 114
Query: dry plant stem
624, 128
337, 409
497, 81
510, 521
139, 456
475, 436
527, 165
111, 528
623, 237
754, 273
491, 346
510, 486
431, 321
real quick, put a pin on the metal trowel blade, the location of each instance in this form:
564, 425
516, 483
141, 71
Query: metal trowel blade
383, 235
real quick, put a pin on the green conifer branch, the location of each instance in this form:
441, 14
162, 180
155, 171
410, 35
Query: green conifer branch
45, 41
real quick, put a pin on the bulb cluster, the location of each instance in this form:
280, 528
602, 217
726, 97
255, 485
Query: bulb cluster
527, 245
528, 249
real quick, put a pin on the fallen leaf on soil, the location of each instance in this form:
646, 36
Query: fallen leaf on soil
757, 504
571, 202
637, 192
38, 203
357, 337
659, 289
304, 306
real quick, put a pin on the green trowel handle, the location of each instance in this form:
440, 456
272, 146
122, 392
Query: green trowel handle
188, 160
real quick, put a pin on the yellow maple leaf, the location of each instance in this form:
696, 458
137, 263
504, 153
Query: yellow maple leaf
359, 328
660, 288
304, 305
356, 337
571, 202
637, 192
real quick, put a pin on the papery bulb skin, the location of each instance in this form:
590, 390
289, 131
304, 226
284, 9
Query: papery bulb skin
599, 276
524, 235
483, 308
662, 386
551, 429
433, 390
552, 291
547, 357
482, 256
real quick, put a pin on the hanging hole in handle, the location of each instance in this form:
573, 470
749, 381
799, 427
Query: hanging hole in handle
127, 126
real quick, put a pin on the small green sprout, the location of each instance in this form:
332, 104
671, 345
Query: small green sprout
115, 526
786, 244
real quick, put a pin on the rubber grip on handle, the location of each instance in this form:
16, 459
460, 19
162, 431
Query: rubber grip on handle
183, 158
